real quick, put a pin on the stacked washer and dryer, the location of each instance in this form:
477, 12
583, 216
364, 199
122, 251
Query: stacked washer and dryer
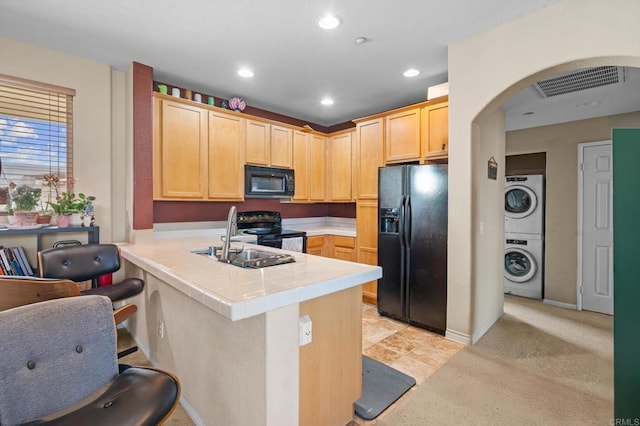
524, 236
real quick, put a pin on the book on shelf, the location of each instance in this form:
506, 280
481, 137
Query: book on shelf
14, 261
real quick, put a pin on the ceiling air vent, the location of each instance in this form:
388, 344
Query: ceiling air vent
575, 81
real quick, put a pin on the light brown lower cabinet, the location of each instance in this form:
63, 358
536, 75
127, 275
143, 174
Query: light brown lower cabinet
343, 248
315, 245
331, 365
367, 249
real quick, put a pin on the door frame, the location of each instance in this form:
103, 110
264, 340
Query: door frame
581, 147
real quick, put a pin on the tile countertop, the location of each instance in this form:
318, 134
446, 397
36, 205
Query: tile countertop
238, 293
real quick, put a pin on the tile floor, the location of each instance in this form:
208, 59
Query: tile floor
411, 350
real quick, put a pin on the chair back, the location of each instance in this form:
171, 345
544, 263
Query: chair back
18, 291
79, 263
54, 354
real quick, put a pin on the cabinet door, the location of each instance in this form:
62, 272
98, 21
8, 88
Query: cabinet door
183, 151
315, 245
281, 147
258, 143
435, 130
226, 156
402, 141
301, 165
370, 136
340, 168
344, 248
367, 243
317, 168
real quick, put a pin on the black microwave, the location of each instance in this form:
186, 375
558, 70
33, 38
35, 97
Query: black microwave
268, 182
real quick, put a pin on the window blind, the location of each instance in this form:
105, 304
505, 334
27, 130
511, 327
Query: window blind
36, 135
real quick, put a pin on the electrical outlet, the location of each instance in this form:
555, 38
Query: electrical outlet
161, 329
305, 330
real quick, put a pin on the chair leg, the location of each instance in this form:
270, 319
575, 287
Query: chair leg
127, 351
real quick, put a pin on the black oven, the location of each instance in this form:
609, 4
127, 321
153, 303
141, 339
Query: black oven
267, 227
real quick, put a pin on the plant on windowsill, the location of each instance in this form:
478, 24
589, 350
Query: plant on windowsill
67, 202
44, 215
25, 199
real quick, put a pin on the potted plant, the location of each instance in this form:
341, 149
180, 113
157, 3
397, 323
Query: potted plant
66, 204
25, 199
44, 215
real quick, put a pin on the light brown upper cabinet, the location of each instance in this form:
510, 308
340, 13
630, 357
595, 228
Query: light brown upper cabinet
340, 167
180, 146
301, 164
317, 168
226, 156
369, 156
309, 163
435, 130
281, 146
268, 144
402, 142
258, 143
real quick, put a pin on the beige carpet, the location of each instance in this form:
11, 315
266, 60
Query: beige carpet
538, 365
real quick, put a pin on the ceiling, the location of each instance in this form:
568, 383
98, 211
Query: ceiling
201, 44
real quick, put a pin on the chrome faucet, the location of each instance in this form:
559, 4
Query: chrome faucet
232, 227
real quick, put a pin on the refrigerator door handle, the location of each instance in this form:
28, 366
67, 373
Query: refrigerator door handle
407, 222
401, 222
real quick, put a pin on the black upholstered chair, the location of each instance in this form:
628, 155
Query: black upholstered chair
88, 262
59, 365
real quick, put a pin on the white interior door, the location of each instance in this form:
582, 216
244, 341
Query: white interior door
595, 222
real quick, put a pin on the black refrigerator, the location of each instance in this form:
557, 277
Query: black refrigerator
412, 244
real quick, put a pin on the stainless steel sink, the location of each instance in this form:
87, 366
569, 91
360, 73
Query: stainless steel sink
248, 257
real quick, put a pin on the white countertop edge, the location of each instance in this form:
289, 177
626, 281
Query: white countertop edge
249, 308
270, 302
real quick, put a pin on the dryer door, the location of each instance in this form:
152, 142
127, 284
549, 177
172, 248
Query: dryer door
519, 265
519, 201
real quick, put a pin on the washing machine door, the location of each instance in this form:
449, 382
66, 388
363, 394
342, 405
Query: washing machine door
519, 201
519, 265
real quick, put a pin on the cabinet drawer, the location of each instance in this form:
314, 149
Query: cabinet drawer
340, 241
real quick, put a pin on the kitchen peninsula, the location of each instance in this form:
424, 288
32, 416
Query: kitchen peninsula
231, 334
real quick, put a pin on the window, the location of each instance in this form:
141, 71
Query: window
36, 135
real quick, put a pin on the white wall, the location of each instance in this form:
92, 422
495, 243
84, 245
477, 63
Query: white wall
93, 127
484, 71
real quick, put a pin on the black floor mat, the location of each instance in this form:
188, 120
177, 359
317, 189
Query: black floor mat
381, 387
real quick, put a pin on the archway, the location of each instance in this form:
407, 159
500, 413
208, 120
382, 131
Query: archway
484, 71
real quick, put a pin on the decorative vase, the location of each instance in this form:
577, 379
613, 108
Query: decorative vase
26, 218
63, 220
76, 220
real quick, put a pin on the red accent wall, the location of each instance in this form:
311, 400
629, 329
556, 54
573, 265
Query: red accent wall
194, 211
142, 146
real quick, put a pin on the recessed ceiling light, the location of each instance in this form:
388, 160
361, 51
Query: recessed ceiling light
327, 101
245, 72
328, 22
361, 40
411, 72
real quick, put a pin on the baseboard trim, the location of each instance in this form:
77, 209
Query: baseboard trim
456, 336
560, 304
